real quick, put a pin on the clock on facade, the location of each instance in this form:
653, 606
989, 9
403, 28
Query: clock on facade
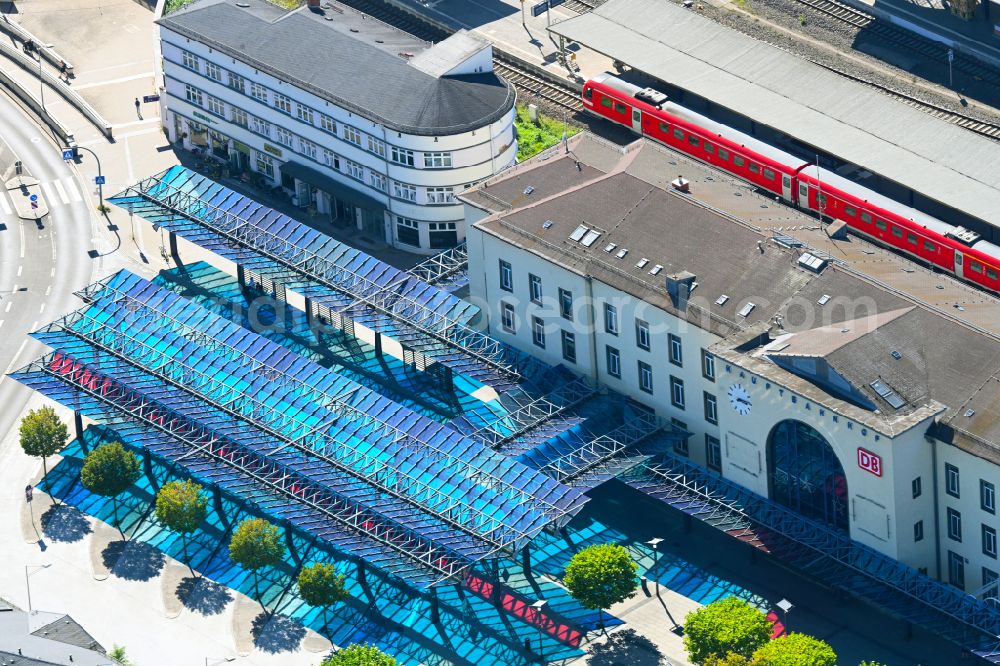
739, 399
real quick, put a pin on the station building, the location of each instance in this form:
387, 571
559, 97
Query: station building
363, 124
795, 374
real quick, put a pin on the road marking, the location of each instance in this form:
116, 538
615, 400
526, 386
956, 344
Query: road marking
9, 303
71, 188
19, 269
13, 359
22, 249
123, 79
50, 194
61, 190
48, 290
5, 205
52, 272
1, 323
41, 309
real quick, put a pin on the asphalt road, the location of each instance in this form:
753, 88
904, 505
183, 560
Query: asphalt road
43, 263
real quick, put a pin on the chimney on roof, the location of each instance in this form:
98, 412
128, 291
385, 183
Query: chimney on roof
679, 287
681, 184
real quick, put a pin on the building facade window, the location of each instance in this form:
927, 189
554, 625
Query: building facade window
327, 124
307, 148
535, 289
507, 317
915, 487
258, 92
566, 304
681, 445
213, 71
355, 170
283, 136
331, 159
378, 181
711, 409
352, 134
283, 103
538, 332
216, 106
918, 530
443, 234
645, 377
990, 576
987, 496
989, 541
676, 392
265, 164
506, 276
954, 525
951, 485
569, 346
404, 191
190, 60
236, 82
707, 366
304, 113
440, 195
676, 350
193, 95
376, 146
402, 156
437, 160
610, 319
713, 453
407, 231
613, 360
239, 117
956, 570
642, 334
261, 126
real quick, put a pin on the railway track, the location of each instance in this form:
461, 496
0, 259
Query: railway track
888, 33
524, 78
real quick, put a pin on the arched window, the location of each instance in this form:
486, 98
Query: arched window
805, 475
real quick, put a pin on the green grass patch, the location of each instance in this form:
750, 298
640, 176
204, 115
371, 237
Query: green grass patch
174, 5
533, 138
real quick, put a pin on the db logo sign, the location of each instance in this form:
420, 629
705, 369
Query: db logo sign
869, 462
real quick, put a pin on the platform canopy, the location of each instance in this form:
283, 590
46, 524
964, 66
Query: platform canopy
298, 440
818, 107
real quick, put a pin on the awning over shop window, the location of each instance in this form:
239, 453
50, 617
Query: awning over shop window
329, 185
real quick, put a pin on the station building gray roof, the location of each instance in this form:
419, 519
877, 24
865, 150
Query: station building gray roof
942, 161
944, 367
27, 639
353, 60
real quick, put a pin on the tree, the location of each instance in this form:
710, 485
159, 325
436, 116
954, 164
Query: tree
43, 434
600, 576
321, 585
871, 663
109, 470
795, 650
731, 659
256, 544
181, 506
359, 655
722, 627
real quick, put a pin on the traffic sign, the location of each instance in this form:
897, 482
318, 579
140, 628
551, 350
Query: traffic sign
67, 154
98, 180
34, 204
33, 198
951, 55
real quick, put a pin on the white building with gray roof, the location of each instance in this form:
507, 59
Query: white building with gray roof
365, 125
797, 374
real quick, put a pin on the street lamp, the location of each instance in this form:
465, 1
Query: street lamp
100, 177
538, 606
785, 605
653, 543
27, 581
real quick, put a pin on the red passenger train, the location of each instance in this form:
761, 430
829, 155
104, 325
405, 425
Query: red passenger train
648, 112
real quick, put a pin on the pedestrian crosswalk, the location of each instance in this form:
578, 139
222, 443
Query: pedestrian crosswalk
5, 205
61, 191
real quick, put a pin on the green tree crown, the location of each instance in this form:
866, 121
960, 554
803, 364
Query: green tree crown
795, 650
321, 585
722, 627
43, 434
110, 469
181, 506
359, 655
256, 543
601, 575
